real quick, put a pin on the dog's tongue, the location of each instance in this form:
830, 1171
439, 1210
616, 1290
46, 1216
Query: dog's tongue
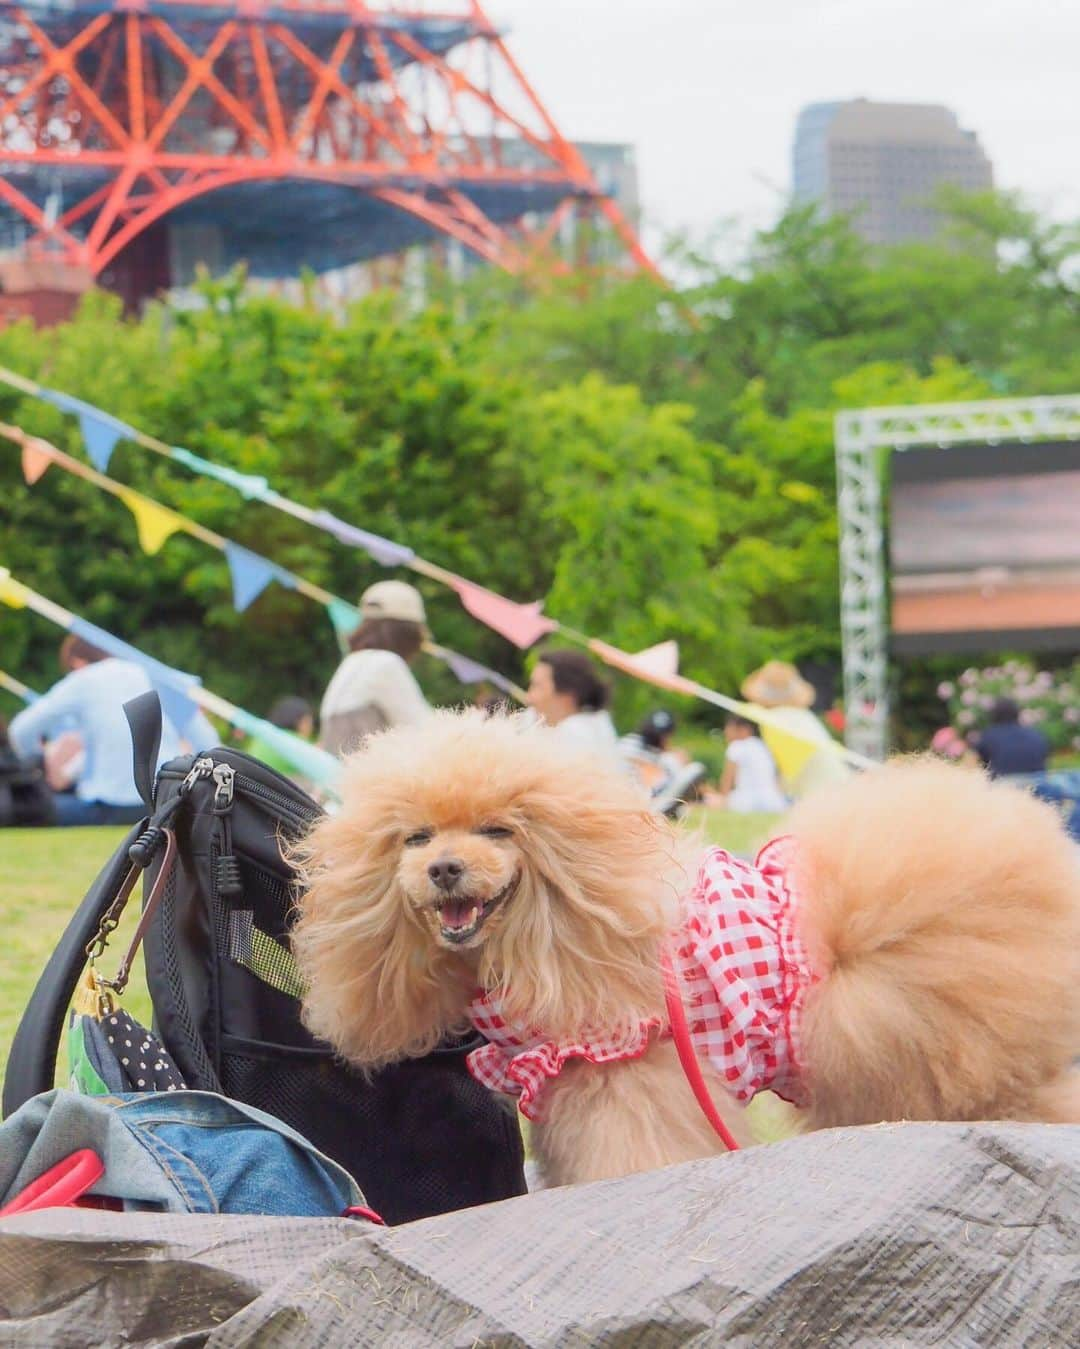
457, 913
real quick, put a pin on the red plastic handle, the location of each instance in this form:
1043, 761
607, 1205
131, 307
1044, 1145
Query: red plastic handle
368, 1214
60, 1186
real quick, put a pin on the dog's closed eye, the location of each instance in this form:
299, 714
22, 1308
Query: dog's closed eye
419, 838
494, 831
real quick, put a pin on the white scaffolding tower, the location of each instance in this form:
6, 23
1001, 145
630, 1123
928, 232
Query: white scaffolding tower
863, 440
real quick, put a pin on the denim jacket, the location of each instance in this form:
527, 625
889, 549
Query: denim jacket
176, 1152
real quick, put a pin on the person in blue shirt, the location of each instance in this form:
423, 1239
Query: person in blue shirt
90, 700
1007, 746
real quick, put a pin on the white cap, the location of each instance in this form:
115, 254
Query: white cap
393, 599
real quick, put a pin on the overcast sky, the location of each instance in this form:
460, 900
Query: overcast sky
708, 90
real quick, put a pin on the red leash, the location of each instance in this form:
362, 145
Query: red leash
680, 1033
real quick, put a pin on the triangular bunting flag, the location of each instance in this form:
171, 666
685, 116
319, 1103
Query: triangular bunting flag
35, 461
522, 624
345, 617
100, 439
791, 750
653, 665
100, 431
171, 684
249, 485
153, 523
385, 551
251, 574
12, 592
470, 671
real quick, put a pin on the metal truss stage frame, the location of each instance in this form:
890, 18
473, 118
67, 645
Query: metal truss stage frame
863, 440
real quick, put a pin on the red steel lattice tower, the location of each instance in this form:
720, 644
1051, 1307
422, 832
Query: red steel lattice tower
303, 132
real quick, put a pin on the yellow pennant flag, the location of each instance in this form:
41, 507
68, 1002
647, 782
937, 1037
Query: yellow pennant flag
791, 752
12, 592
154, 523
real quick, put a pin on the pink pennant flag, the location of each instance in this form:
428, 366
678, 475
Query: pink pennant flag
35, 461
522, 624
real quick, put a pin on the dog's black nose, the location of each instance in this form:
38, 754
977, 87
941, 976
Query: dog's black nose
446, 872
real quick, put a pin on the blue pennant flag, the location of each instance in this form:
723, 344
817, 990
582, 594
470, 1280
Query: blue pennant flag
251, 574
171, 685
100, 432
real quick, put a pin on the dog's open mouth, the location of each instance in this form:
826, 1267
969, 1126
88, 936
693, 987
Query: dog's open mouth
462, 918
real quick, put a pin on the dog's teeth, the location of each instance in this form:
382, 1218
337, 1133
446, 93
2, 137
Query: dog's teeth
474, 913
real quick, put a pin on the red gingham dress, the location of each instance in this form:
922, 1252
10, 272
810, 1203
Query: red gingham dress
742, 971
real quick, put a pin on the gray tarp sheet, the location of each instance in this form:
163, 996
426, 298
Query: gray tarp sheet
965, 1235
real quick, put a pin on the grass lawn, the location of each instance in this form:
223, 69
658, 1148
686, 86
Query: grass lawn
44, 874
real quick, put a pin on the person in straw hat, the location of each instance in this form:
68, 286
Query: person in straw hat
373, 687
804, 750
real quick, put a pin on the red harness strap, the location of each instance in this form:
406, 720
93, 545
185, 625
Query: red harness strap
680, 1033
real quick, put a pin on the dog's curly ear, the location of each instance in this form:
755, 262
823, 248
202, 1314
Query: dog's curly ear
377, 989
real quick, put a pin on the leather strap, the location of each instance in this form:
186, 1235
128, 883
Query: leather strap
149, 909
680, 1033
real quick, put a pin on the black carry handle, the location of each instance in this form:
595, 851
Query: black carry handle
31, 1065
144, 717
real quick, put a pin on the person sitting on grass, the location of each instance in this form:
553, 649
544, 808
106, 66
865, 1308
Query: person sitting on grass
566, 692
749, 783
90, 700
1007, 746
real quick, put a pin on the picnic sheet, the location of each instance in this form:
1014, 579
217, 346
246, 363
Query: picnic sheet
914, 1234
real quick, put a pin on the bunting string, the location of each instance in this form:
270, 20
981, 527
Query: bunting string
179, 690
250, 572
17, 687
523, 624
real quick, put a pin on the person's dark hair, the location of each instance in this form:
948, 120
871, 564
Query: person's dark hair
573, 672
656, 728
74, 648
288, 713
399, 635
1004, 711
497, 705
743, 722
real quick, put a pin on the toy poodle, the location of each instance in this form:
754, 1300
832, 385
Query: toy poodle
910, 949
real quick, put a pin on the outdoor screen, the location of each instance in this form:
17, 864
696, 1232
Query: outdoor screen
985, 548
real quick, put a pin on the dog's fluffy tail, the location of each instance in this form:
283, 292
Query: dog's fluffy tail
943, 912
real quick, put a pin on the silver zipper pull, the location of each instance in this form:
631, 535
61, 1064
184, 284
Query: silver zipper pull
224, 777
201, 768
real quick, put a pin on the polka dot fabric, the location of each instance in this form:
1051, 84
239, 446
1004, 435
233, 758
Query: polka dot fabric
742, 970
144, 1063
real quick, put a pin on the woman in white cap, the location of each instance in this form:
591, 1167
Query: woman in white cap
373, 687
